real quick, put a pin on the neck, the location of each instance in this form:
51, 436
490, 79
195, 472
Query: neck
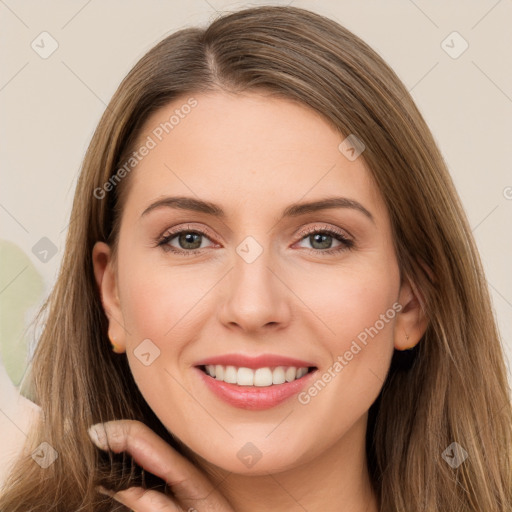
337, 480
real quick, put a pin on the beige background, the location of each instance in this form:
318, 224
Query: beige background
50, 107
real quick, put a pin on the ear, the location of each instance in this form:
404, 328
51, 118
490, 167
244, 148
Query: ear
411, 322
106, 280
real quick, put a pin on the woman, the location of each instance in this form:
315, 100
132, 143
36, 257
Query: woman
267, 233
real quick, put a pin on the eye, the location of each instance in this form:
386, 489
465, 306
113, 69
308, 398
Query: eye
322, 240
185, 241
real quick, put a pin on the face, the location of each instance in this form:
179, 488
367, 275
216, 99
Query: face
251, 285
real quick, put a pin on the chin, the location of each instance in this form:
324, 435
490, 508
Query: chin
249, 460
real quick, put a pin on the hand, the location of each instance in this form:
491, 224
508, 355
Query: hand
192, 490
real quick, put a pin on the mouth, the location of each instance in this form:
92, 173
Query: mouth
256, 388
258, 377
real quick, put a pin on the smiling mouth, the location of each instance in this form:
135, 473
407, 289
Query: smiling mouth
259, 377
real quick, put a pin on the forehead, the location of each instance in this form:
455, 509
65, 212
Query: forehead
249, 150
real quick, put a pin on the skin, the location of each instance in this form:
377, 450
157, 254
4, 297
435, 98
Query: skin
254, 155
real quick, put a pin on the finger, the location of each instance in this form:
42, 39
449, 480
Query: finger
151, 452
145, 500
156, 456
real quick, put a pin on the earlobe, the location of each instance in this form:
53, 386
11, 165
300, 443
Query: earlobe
411, 322
105, 277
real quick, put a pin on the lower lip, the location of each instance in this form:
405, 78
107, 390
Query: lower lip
255, 398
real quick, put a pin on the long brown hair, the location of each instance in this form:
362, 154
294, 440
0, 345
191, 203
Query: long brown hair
453, 387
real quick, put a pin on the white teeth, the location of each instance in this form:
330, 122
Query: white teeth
278, 375
245, 377
261, 377
230, 375
290, 373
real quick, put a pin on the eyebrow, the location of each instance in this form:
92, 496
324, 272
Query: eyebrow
294, 210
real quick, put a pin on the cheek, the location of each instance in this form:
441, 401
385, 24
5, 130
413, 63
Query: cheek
364, 308
160, 308
350, 299
157, 298
358, 308
157, 307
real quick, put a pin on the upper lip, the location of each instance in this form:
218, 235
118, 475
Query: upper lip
261, 361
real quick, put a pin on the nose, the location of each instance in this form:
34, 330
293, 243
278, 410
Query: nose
255, 298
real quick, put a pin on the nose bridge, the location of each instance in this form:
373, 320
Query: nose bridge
255, 297
251, 267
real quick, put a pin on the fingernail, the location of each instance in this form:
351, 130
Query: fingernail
106, 492
98, 435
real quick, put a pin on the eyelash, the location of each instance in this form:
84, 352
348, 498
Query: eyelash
346, 243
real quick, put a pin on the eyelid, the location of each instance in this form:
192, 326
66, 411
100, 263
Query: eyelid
325, 227
175, 230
